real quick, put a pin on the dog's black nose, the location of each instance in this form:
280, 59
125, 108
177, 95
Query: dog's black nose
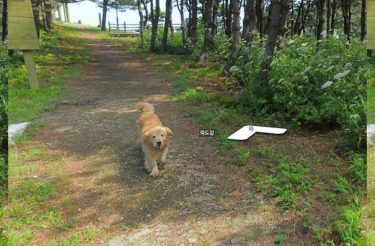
159, 143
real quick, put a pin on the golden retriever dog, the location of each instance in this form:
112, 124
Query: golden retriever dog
154, 136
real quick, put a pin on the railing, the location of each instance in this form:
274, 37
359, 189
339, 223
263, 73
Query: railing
132, 29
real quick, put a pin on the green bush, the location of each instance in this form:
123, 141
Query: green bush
309, 85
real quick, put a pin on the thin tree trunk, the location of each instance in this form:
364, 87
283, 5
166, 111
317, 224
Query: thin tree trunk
208, 42
259, 8
333, 15
298, 21
180, 7
214, 17
35, 5
303, 23
320, 6
346, 13
66, 12
328, 23
236, 35
194, 21
167, 23
228, 18
280, 9
141, 22
155, 23
4, 21
363, 21
104, 19
146, 16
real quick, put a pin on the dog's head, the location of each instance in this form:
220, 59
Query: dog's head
158, 136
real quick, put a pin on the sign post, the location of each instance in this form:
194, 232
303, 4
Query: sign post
22, 35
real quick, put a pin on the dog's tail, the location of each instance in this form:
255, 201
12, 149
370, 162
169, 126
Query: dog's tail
145, 107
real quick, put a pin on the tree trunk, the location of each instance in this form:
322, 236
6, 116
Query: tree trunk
167, 24
303, 23
66, 12
228, 18
180, 7
328, 23
297, 22
363, 21
35, 5
194, 21
141, 22
320, 6
104, 19
4, 21
333, 15
146, 16
155, 23
280, 9
208, 41
259, 8
214, 17
49, 16
250, 28
346, 13
236, 35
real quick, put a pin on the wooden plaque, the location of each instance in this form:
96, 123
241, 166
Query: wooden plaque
371, 24
22, 31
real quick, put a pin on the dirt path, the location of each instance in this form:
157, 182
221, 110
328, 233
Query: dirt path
197, 199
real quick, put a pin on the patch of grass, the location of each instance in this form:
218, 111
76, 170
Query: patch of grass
280, 239
60, 51
193, 95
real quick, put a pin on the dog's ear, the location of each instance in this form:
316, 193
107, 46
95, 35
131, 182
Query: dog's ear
169, 131
145, 136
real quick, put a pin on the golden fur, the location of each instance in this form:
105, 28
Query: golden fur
154, 136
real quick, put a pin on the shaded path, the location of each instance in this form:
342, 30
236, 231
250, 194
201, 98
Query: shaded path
197, 199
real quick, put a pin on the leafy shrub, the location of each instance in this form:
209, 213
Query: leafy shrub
322, 86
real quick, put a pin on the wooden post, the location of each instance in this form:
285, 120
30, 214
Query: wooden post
31, 69
100, 20
22, 35
124, 26
109, 26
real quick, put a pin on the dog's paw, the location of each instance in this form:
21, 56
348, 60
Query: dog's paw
154, 173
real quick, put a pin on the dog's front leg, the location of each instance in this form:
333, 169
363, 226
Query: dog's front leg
163, 157
153, 167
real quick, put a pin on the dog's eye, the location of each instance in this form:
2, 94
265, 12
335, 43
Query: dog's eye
153, 136
162, 135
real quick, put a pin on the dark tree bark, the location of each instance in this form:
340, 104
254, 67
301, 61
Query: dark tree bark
167, 24
333, 16
259, 8
363, 21
228, 18
104, 19
236, 35
155, 23
194, 21
320, 6
146, 15
305, 14
214, 17
141, 22
249, 30
35, 6
280, 9
346, 13
180, 7
4, 21
208, 39
48, 11
297, 22
328, 23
